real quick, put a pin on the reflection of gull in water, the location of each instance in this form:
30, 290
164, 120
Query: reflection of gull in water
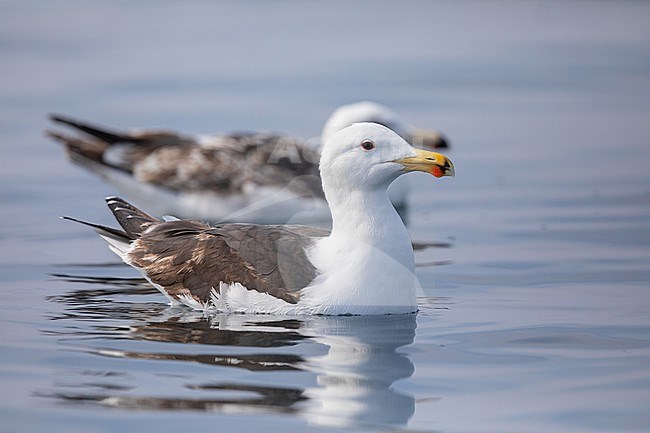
355, 376
354, 373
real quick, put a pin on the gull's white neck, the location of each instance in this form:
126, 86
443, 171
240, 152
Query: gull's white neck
367, 218
366, 264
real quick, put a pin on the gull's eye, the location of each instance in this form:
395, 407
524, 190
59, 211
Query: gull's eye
367, 145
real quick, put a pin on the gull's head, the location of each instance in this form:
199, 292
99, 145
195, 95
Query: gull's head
365, 111
368, 111
369, 156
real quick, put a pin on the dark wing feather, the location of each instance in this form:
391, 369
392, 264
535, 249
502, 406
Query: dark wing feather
109, 232
133, 220
103, 134
147, 138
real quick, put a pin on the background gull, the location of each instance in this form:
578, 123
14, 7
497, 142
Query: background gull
259, 176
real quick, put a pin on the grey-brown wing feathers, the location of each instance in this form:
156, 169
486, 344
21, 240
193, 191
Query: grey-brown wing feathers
190, 258
223, 164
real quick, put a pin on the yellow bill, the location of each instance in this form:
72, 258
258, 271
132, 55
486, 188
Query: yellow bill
434, 163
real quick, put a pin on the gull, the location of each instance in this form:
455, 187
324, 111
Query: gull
261, 177
363, 266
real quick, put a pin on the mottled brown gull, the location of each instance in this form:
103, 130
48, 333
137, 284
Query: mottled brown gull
261, 177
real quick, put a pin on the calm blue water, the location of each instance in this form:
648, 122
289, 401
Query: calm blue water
535, 319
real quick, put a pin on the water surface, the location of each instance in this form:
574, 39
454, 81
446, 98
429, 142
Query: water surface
535, 310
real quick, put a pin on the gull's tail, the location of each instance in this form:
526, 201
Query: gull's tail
132, 220
101, 133
100, 148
